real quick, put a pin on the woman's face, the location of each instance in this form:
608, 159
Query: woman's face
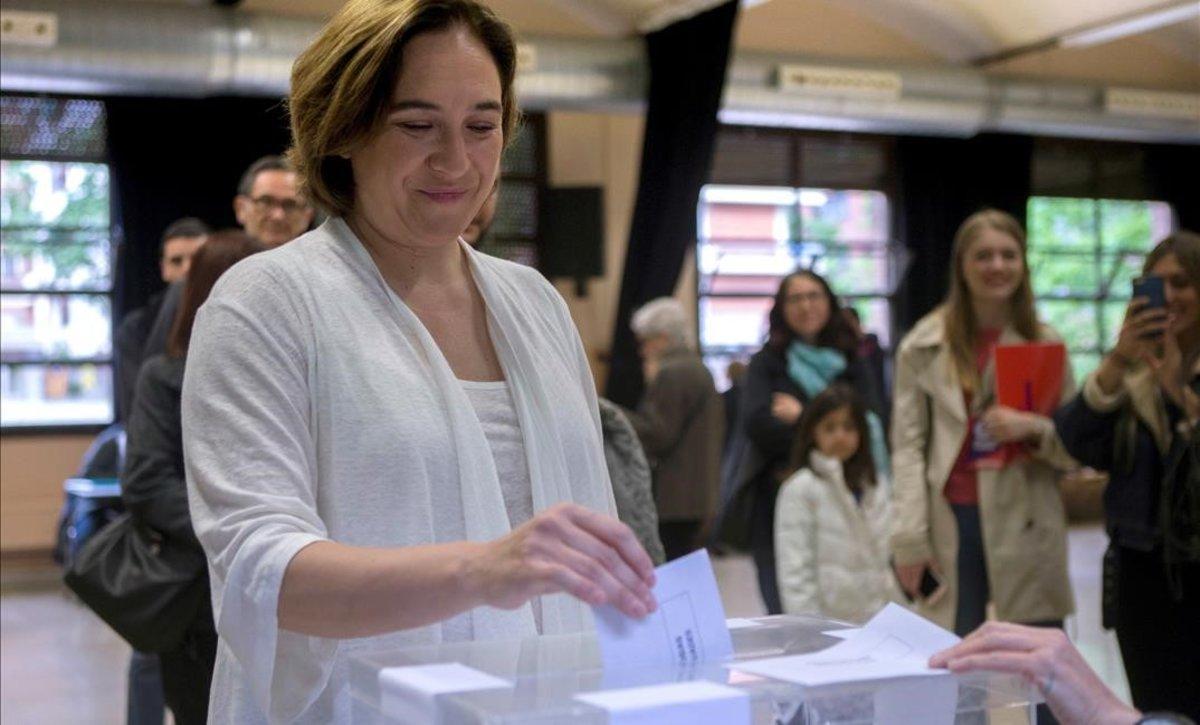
429, 168
1183, 300
993, 266
805, 307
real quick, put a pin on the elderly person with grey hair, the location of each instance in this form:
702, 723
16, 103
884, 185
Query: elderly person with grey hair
680, 423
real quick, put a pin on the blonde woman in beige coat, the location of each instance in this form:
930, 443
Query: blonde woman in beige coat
992, 535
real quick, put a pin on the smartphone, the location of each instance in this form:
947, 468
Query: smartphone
1152, 289
932, 587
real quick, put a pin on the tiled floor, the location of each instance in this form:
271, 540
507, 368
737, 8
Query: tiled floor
60, 664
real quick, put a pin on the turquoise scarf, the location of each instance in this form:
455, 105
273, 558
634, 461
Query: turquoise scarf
814, 369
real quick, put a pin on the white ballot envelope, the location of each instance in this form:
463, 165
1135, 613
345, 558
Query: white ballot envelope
895, 643
409, 694
673, 703
687, 628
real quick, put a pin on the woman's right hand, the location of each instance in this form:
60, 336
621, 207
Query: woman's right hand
1141, 331
909, 576
566, 548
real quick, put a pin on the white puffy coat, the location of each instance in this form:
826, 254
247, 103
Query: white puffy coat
831, 553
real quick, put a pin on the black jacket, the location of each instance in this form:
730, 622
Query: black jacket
1121, 444
130, 351
762, 443
153, 487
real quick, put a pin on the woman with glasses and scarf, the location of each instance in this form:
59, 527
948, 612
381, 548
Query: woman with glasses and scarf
809, 346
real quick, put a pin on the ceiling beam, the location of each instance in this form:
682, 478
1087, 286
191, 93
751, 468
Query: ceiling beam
600, 17
951, 31
1103, 31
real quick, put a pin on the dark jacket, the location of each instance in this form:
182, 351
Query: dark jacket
630, 475
153, 487
762, 444
680, 422
130, 352
1129, 436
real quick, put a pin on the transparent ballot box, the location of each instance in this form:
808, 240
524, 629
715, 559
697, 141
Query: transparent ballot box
536, 681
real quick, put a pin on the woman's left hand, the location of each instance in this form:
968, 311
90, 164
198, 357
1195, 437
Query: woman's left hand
1008, 425
1045, 658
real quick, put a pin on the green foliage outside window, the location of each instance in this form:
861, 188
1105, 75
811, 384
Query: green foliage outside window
57, 212
1083, 256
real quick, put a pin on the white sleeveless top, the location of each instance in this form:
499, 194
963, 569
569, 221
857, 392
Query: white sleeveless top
497, 415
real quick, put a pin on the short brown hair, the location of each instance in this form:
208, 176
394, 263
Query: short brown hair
342, 83
219, 252
266, 163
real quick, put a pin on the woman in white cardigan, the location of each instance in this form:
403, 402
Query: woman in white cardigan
392, 439
831, 516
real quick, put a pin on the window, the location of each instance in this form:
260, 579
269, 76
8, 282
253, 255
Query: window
514, 231
753, 236
56, 264
781, 199
1083, 256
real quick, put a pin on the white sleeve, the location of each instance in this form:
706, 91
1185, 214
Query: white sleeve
251, 474
795, 544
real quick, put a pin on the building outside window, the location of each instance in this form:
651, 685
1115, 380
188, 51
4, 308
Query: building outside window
779, 200
56, 264
750, 237
1083, 256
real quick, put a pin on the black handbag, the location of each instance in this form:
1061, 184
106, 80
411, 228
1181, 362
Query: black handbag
148, 588
735, 523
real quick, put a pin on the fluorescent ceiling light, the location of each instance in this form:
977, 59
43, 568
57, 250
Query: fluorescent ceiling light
1131, 25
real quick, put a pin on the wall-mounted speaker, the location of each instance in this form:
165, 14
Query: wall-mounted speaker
571, 234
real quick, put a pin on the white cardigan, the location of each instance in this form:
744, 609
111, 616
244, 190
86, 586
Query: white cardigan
316, 406
830, 551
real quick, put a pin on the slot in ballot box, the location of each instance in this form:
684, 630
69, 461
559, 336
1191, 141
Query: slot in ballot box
559, 679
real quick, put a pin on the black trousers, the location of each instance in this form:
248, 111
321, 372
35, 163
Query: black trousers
187, 674
762, 545
1159, 635
679, 538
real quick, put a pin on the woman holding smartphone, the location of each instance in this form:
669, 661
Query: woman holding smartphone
1136, 418
964, 534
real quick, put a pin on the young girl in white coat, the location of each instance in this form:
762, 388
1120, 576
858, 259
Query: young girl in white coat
832, 516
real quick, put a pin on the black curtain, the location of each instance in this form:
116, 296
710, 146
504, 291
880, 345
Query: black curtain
942, 181
1174, 177
687, 72
172, 158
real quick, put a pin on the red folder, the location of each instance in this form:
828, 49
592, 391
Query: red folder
1029, 377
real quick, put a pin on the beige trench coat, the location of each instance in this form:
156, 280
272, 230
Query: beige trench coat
1021, 513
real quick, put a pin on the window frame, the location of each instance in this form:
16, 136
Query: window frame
797, 181
108, 292
1099, 254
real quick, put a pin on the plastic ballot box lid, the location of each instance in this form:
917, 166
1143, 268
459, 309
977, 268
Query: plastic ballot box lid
559, 678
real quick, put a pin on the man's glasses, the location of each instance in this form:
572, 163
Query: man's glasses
290, 207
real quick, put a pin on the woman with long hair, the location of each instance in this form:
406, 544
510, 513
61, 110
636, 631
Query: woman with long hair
809, 346
1138, 419
992, 532
152, 484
